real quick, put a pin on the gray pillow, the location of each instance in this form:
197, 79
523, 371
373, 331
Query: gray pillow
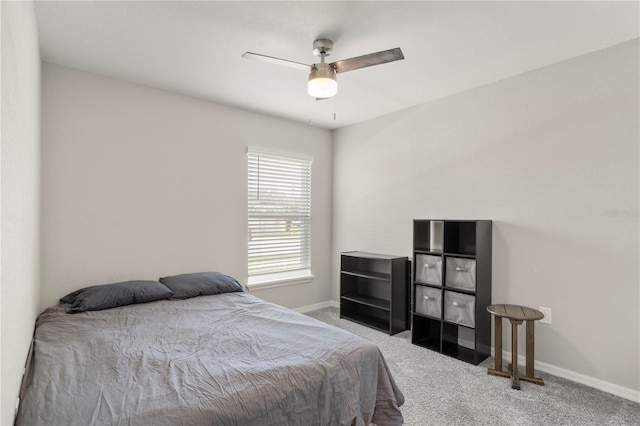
107, 296
185, 286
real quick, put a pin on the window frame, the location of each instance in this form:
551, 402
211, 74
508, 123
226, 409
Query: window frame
288, 277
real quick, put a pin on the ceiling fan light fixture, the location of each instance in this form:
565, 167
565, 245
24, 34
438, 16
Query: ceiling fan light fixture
322, 81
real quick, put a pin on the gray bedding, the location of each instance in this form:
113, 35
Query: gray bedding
228, 359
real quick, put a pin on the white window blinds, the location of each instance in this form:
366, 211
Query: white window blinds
279, 207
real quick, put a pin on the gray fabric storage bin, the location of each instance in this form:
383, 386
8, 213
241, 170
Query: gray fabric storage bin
460, 308
428, 301
461, 273
429, 269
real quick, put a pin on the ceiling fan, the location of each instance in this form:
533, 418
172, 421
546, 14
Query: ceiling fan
322, 77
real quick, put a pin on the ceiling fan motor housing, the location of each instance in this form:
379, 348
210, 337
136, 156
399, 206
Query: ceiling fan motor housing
322, 71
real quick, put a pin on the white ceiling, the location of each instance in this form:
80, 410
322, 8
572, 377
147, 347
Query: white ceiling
195, 48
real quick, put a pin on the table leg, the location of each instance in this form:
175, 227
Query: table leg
498, 348
530, 349
515, 379
497, 370
530, 356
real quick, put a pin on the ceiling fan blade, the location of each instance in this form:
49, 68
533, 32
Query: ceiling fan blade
363, 61
277, 61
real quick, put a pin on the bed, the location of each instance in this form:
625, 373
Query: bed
218, 359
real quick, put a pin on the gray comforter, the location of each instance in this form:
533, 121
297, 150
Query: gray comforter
229, 359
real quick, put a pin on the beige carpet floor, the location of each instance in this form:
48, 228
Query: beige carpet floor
440, 390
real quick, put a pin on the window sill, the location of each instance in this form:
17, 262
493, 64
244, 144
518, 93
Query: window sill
279, 280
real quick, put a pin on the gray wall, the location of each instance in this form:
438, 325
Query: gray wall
143, 183
19, 196
551, 156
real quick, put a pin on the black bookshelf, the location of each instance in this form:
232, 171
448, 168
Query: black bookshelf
451, 287
374, 290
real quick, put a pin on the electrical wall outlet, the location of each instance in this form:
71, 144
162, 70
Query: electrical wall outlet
547, 315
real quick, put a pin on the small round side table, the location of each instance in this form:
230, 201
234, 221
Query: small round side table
515, 314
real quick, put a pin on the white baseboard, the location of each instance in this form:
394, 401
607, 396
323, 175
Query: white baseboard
327, 304
627, 393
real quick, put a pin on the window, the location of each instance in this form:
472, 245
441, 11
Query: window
279, 212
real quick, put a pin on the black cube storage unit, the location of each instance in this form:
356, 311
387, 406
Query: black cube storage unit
452, 287
374, 290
